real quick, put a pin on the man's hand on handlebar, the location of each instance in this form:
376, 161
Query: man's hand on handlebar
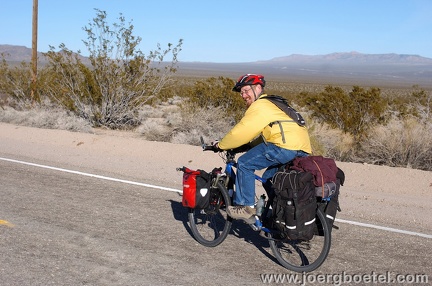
215, 145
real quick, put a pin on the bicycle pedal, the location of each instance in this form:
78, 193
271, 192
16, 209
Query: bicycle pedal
257, 225
254, 227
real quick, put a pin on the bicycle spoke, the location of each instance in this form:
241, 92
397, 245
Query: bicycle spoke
304, 256
211, 226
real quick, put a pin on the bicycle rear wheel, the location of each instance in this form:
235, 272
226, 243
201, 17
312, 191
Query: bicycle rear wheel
211, 226
304, 256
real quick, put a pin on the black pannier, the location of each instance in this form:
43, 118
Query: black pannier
294, 205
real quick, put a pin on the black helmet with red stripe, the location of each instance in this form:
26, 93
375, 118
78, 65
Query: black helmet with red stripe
249, 79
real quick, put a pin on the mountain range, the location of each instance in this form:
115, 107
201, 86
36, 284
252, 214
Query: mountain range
356, 58
348, 67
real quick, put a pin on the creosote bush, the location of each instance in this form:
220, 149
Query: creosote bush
118, 80
354, 112
418, 104
15, 84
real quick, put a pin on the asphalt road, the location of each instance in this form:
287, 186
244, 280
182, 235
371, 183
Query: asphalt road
59, 228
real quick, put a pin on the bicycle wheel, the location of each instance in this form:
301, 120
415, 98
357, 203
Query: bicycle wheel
211, 226
304, 256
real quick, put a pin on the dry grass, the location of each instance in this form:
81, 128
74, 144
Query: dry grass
399, 144
330, 142
43, 117
175, 122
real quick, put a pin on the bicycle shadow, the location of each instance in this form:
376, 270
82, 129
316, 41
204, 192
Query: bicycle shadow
181, 214
244, 231
239, 229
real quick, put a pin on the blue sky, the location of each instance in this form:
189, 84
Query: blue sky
234, 31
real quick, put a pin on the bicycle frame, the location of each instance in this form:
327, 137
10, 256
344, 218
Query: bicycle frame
229, 171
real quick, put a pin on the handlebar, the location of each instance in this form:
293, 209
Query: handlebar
210, 148
233, 151
206, 147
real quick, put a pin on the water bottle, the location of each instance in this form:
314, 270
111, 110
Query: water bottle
260, 205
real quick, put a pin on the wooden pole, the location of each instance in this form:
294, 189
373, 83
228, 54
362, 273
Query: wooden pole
34, 50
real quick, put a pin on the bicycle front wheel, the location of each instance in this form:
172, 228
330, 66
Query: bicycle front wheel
210, 226
304, 256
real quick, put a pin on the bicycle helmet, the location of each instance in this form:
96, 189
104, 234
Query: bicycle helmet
249, 79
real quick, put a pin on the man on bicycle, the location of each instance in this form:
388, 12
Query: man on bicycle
282, 142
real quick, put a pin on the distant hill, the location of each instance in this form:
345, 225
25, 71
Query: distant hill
351, 68
354, 58
17, 53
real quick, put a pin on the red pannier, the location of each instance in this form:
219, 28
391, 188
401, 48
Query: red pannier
196, 188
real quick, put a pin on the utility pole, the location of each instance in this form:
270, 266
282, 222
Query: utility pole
34, 51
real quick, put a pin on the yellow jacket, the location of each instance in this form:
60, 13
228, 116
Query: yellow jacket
256, 121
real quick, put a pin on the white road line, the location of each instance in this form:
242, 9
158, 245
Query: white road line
179, 191
92, 175
384, 228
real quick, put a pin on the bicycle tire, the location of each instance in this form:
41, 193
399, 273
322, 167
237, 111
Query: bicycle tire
211, 226
304, 256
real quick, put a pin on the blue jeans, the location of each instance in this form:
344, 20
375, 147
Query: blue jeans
264, 155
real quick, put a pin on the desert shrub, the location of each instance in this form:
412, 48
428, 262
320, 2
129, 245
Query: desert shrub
15, 82
3, 100
176, 88
415, 103
423, 103
401, 143
213, 93
118, 80
292, 91
354, 112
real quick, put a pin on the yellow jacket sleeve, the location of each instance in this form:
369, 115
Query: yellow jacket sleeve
256, 121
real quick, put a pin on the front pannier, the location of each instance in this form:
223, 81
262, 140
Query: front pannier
196, 188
